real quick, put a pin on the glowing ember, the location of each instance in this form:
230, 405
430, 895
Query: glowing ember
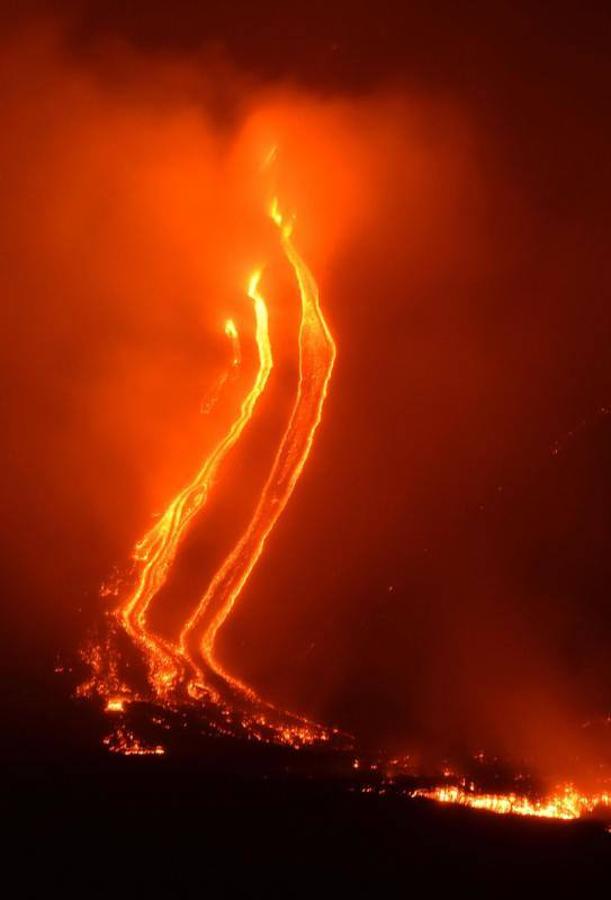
126, 743
104, 679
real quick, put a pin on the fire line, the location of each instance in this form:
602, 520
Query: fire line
565, 803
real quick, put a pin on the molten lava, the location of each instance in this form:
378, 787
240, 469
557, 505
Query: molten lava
316, 358
187, 668
212, 398
156, 552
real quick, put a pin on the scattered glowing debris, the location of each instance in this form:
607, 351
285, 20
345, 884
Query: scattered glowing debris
103, 660
126, 743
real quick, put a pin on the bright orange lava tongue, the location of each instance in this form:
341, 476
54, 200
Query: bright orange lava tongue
316, 358
156, 552
179, 670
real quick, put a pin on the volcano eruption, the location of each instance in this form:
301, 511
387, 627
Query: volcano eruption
307, 437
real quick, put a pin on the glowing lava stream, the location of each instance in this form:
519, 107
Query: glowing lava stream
156, 551
192, 657
317, 353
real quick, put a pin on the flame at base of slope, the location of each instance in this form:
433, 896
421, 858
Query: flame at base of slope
566, 802
521, 794
140, 726
240, 720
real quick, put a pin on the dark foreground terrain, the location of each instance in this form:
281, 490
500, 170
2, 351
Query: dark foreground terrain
242, 820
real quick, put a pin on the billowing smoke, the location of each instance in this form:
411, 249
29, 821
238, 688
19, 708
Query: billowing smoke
427, 584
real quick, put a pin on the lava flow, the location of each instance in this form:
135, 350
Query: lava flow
155, 553
185, 669
316, 358
211, 400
